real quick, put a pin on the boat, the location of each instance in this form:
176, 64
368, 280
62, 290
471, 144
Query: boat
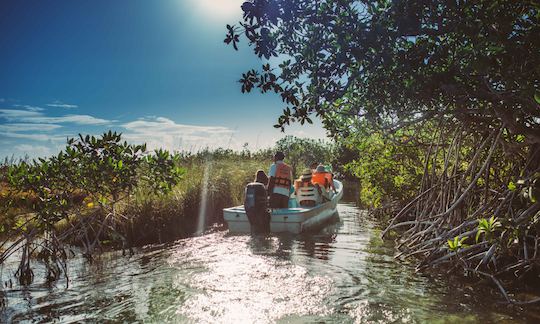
294, 220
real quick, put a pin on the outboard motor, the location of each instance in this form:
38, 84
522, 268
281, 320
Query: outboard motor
255, 204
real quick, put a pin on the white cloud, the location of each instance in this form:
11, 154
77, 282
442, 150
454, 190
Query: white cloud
160, 132
34, 150
30, 108
75, 119
34, 108
164, 124
33, 116
34, 134
34, 137
14, 114
299, 133
22, 127
59, 104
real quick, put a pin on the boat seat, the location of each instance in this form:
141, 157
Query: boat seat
308, 196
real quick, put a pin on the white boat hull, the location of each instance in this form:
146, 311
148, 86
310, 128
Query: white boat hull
292, 220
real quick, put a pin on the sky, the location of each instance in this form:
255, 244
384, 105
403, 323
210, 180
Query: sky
156, 71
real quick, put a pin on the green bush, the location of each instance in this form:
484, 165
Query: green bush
387, 168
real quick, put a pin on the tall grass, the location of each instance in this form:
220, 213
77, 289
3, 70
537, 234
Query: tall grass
156, 219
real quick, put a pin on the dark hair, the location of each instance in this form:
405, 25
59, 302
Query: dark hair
261, 177
279, 156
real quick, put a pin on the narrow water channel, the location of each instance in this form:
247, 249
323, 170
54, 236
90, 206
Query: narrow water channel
344, 274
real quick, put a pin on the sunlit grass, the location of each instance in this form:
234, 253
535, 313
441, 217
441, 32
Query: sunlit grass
149, 218
163, 218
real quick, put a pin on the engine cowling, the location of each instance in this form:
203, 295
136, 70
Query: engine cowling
256, 206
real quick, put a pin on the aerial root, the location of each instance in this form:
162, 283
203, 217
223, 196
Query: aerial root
453, 197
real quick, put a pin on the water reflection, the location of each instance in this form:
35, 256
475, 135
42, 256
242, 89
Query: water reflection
249, 280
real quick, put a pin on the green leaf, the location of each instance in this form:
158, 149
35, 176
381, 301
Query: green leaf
511, 186
537, 96
478, 235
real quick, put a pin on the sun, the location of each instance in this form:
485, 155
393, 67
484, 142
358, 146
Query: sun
218, 9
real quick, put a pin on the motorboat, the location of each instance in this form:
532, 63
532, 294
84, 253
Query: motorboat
295, 219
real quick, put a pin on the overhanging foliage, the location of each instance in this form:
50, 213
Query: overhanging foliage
398, 62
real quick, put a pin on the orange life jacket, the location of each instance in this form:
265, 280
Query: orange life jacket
322, 178
330, 179
283, 176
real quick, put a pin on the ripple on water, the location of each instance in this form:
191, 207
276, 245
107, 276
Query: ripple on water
240, 286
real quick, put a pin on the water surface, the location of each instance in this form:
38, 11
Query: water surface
343, 274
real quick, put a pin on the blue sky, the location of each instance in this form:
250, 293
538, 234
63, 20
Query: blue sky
157, 71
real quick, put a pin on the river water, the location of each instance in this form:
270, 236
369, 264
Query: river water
344, 274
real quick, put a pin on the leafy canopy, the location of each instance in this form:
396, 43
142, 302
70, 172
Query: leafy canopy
396, 62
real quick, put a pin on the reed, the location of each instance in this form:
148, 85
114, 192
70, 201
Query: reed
157, 219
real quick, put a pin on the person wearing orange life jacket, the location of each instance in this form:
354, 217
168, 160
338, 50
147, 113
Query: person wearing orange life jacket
307, 193
323, 178
303, 181
280, 181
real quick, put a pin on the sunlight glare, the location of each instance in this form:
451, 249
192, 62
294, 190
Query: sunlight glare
204, 198
218, 9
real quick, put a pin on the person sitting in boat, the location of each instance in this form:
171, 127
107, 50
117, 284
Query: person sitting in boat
313, 166
330, 177
307, 193
280, 181
261, 177
303, 181
325, 179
